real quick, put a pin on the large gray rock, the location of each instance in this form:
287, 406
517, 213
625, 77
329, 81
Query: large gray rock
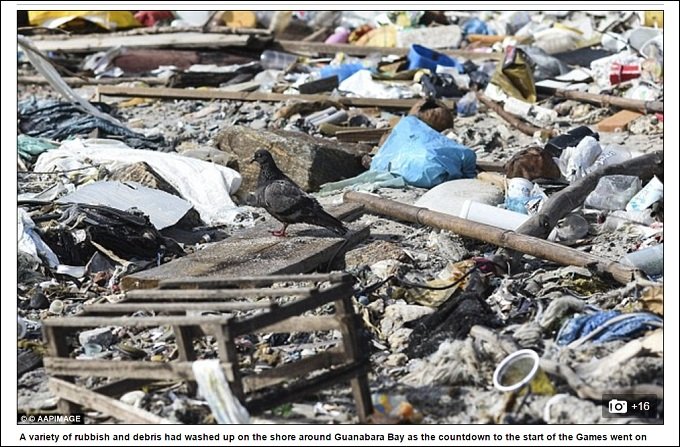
309, 161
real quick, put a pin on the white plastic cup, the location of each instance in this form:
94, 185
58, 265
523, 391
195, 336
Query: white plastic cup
491, 215
516, 370
649, 260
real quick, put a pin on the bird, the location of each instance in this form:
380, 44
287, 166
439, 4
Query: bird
286, 201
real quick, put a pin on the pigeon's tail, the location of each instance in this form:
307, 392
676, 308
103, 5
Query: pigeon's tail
324, 219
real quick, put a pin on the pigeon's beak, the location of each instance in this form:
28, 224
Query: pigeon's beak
252, 160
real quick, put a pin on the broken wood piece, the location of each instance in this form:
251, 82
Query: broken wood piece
99, 402
256, 252
564, 202
103, 42
361, 135
320, 48
503, 238
514, 121
178, 93
319, 85
77, 82
608, 100
618, 121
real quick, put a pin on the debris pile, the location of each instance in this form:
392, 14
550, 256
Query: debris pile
499, 174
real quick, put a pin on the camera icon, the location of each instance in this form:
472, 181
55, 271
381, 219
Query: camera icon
618, 406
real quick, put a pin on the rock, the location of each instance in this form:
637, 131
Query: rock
99, 336
398, 314
374, 252
258, 124
143, 174
38, 300
308, 161
448, 197
398, 359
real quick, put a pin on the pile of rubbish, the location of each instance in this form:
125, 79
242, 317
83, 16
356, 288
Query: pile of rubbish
509, 165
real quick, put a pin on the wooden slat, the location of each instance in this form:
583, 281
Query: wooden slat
258, 322
170, 308
124, 412
319, 48
190, 294
219, 282
101, 42
210, 94
124, 369
307, 323
83, 322
290, 371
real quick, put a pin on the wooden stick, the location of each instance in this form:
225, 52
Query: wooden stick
509, 239
318, 48
564, 202
77, 82
608, 100
523, 126
179, 93
99, 402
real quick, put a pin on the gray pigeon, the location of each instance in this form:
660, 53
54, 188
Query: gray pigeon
285, 201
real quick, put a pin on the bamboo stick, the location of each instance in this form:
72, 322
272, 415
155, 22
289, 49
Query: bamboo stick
508, 239
608, 100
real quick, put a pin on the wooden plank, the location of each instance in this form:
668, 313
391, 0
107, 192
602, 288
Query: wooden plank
123, 369
220, 282
77, 82
257, 322
353, 135
124, 412
319, 48
210, 94
255, 252
170, 308
102, 42
307, 323
119, 387
193, 294
288, 371
350, 340
83, 322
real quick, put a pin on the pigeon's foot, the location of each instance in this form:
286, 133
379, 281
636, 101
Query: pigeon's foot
281, 232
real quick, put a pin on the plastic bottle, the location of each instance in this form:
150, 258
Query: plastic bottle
277, 60
649, 260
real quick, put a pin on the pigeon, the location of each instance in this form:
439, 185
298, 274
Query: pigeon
285, 201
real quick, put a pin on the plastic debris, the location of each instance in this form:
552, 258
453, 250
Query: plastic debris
605, 326
214, 388
422, 156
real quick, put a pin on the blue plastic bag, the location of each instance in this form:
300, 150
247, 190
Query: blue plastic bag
423, 156
476, 26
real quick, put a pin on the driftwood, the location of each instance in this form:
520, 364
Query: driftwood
522, 126
179, 93
608, 100
503, 238
562, 203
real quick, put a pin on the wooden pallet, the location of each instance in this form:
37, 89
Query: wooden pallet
177, 302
